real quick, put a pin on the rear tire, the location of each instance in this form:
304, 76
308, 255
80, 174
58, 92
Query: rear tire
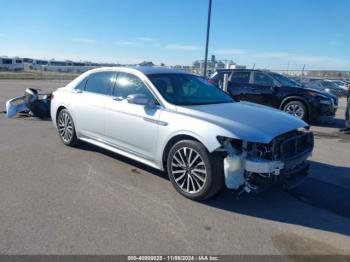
193, 171
66, 128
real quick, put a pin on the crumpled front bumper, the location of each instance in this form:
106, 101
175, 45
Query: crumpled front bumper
255, 174
293, 178
318, 109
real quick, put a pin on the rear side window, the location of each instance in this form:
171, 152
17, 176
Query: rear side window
100, 83
240, 77
263, 79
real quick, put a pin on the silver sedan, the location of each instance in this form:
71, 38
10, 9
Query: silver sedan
178, 122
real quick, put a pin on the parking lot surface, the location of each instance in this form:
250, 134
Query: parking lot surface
60, 200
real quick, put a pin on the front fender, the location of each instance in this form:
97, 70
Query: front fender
294, 98
210, 142
58, 101
308, 107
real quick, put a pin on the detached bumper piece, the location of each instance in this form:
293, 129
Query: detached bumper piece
283, 161
15, 105
32, 101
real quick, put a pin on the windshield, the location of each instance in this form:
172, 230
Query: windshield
285, 81
340, 83
185, 89
329, 84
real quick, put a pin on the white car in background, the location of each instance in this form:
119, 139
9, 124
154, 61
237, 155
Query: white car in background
178, 122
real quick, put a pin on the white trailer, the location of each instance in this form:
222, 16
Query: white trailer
67, 66
80, 67
11, 63
56, 66
38, 64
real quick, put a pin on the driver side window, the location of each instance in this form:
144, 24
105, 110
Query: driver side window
128, 84
263, 79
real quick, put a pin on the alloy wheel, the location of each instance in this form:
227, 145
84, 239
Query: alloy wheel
295, 110
65, 126
188, 170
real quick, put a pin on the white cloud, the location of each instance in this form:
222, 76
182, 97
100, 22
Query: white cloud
272, 55
230, 51
145, 39
319, 61
280, 59
183, 47
81, 40
129, 43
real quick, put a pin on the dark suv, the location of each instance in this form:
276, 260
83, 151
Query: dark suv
275, 90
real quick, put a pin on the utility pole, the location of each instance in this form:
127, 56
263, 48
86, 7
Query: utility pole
302, 73
207, 42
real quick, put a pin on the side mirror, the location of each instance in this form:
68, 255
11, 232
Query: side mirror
139, 99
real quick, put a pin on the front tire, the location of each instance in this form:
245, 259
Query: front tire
66, 128
193, 171
297, 109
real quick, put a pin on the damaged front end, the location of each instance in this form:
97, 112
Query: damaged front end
253, 167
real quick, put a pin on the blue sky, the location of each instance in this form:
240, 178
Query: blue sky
268, 33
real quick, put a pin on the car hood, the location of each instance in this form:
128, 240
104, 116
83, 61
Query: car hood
246, 121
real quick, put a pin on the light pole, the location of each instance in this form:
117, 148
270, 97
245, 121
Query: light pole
207, 42
302, 73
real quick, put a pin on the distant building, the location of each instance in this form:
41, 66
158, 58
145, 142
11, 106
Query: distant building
220, 64
213, 59
183, 67
146, 63
213, 64
328, 73
234, 66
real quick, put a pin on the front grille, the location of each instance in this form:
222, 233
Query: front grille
286, 147
296, 146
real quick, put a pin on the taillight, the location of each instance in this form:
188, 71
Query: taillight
211, 81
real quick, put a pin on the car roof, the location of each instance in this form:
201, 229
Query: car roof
242, 70
158, 70
147, 70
